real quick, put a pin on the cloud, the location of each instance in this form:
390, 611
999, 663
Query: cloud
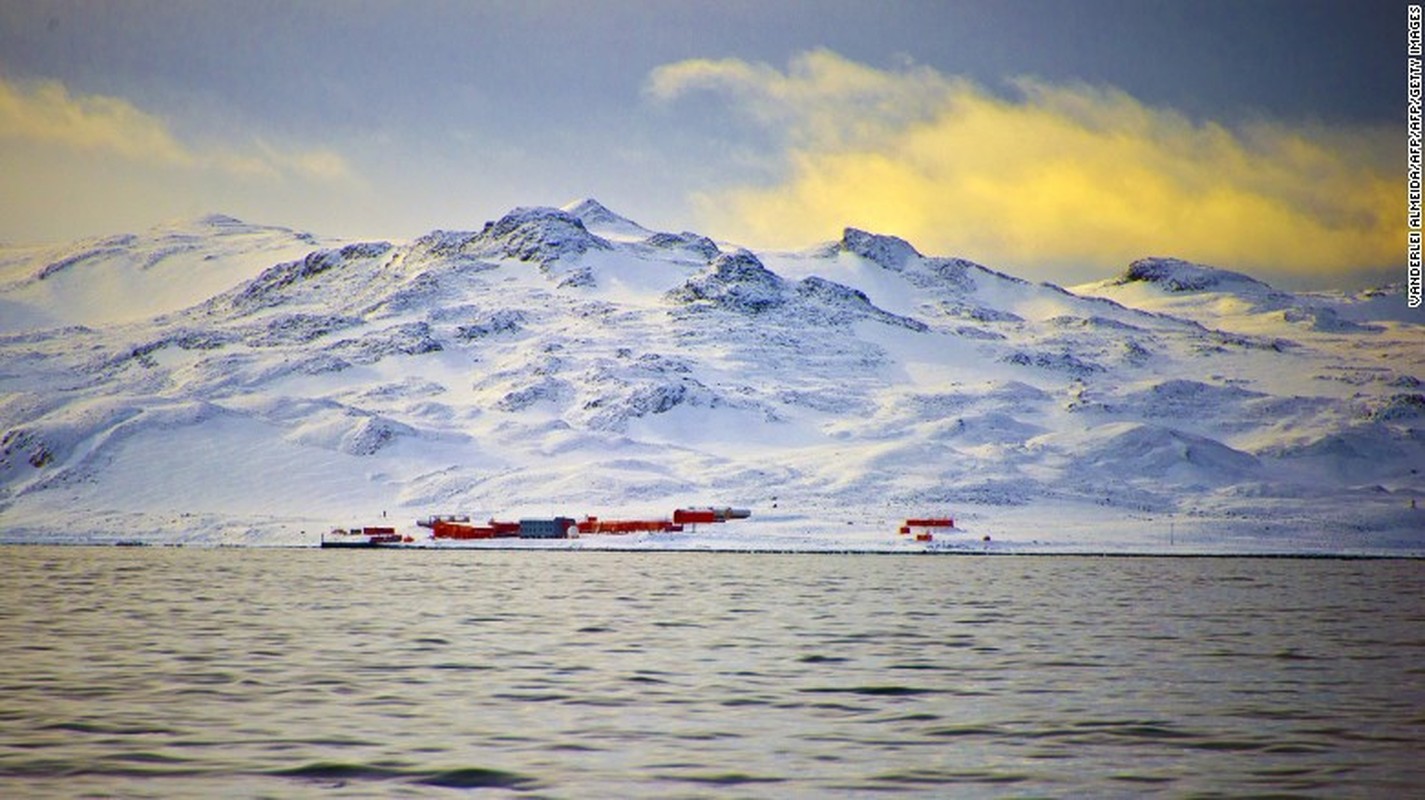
46, 113
1056, 179
809, 103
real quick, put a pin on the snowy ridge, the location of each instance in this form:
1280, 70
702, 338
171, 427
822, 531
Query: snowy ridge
1176, 275
569, 360
131, 277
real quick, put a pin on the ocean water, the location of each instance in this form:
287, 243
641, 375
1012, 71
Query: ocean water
158, 672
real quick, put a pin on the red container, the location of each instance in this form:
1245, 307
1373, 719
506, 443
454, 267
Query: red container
933, 522
441, 529
694, 516
615, 526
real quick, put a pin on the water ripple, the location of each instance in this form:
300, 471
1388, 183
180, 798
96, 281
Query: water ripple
178, 673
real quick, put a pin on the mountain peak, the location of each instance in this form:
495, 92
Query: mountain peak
538, 233
201, 224
1176, 275
216, 220
219, 225
587, 207
598, 218
891, 252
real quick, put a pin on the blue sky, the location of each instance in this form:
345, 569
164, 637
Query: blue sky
1052, 139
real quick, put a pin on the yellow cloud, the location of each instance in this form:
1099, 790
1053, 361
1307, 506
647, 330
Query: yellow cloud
46, 113
1060, 176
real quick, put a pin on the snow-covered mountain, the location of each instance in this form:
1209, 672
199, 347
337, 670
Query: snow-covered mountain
216, 381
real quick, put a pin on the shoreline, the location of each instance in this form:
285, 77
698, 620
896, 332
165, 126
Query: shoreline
712, 550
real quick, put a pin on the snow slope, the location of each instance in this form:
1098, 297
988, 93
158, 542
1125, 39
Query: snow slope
133, 277
217, 382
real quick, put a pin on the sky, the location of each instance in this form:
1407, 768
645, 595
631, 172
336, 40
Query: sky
1053, 140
